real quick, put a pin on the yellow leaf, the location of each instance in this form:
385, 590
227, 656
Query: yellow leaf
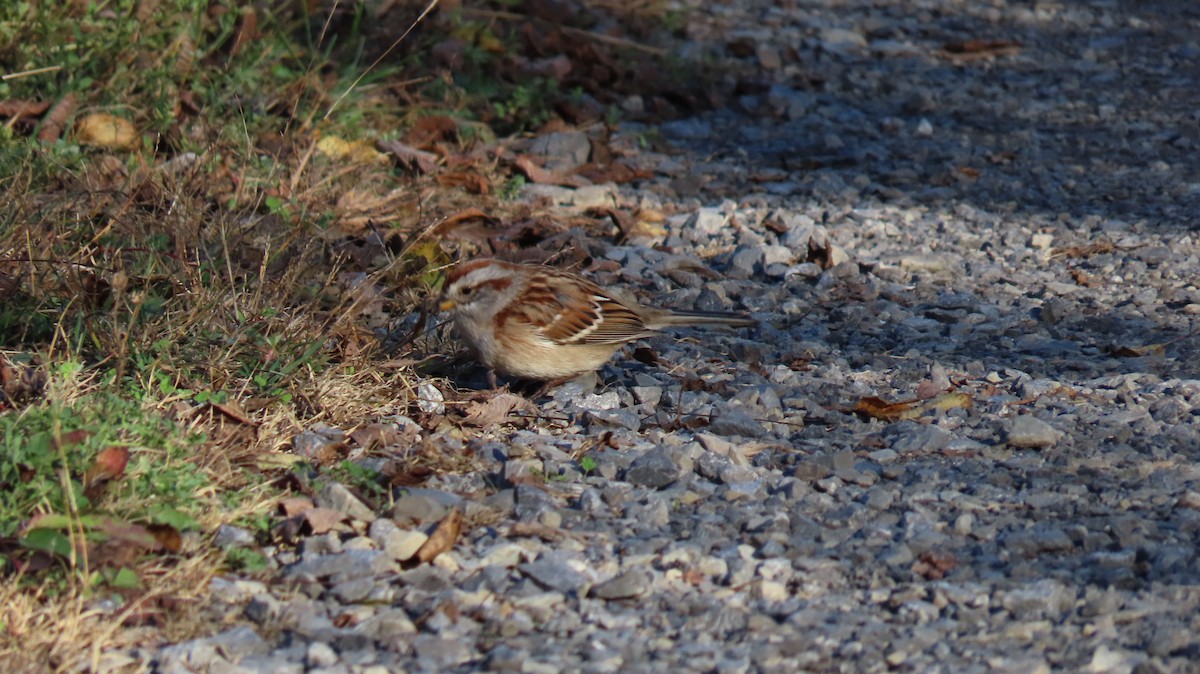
104, 130
357, 151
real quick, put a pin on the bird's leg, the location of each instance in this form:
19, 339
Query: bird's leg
492, 379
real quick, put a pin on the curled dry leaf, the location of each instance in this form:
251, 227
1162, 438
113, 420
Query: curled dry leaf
910, 409
497, 409
323, 520
290, 507
417, 161
234, 411
110, 464
56, 120
1098, 247
18, 109
982, 47
357, 151
103, 130
1139, 351
442, 538
167, 536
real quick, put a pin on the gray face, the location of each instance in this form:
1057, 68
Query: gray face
479, 294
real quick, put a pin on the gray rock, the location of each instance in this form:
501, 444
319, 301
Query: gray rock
733, 420
911, 438
554, 574
239, 642
655, 469
337, 497
439, 654
532, 502
349, 564
319, 654
262, 608
564, 151
229, 536
417, 508
626, 585
1030, 432
626, 419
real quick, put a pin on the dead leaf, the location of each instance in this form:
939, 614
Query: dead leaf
234, 411
468, 182
927, 389
55, 121
247, 31
356, 151
323, 520
982, 48
497, 409
292, 506
443, 537
73, 437
104, 130
879, 408
1085, 279
416, 161
1139, 351
825, 254
19, 109
934, 565
433, 129
167, 537
1098, 247
526, 165
110, 464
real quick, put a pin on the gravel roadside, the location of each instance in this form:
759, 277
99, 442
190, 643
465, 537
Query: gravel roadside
997, 200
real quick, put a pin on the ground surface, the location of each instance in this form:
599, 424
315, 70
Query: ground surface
987, 207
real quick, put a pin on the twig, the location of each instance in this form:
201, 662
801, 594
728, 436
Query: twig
30, 73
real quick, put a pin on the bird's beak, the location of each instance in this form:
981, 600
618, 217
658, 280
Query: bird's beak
446, 305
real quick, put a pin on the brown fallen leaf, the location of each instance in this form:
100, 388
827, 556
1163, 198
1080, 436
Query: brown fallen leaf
467, 181
432, 129
536, 173
234, 411
443, 537
1085, 279
20, 109
417, 161
292, 506
981, 47
323, 520
167, 537
1098, 247
616, 172
247, 31
879, 408
110, 464
927, 389
55, 120
497, 409
1139, 351
934, 565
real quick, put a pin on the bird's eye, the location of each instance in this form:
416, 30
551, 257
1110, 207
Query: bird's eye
466, 292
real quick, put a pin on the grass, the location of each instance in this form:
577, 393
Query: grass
176, 305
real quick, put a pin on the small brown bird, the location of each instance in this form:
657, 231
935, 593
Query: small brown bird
538, 322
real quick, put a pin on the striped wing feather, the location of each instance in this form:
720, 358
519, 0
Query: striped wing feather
580, 312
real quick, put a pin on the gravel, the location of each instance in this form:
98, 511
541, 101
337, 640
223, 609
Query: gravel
906, 212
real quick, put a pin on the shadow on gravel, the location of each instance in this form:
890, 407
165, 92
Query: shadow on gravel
1093, 117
